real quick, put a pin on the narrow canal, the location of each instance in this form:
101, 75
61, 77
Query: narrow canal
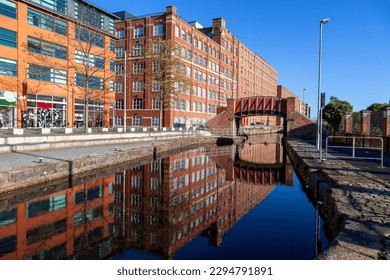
230, 202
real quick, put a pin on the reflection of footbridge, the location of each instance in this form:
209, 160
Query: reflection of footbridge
259, 174
260, 163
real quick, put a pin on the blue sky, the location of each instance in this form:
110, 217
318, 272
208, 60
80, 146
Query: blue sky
356, 43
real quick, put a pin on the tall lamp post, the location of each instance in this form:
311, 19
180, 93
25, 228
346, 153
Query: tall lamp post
324, 21
303, 101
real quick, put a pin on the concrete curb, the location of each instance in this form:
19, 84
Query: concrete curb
22, 177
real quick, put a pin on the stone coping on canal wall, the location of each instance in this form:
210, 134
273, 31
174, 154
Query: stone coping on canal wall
35, 142
34, 173
355, 203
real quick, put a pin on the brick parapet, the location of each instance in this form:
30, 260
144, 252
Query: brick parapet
365, 116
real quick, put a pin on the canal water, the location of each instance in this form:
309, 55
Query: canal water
229, 202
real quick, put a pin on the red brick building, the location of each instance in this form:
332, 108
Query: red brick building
219, 65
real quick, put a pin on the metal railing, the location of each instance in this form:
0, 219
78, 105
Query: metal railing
354, 147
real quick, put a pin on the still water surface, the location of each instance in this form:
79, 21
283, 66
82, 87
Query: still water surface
230, 202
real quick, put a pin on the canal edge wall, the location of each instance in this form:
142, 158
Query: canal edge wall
38, 173
355, 204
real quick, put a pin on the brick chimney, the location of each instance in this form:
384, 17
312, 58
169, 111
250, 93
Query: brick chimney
219, 23
171, 10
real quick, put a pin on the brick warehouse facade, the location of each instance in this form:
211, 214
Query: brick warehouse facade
220, 67
42, 58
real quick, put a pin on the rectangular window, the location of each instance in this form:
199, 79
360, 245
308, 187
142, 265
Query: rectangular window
119, 69
43, 47
155, 66
45, 232
7, 38
119, 87
155, 121
111, 26
137, 121
155, 103
112, 65
7, 244
138, 67
137, 103
120, 52
89, 37
8, 67
8, 8
137, 86
94, 82
120, 34
119, 104
138, 50
156, 86
47, 22
7, 217
88, 15
47, 74
138, 32
56, 5
118, 121
44, 206
157, 47
158, 30
112, 45
95, 192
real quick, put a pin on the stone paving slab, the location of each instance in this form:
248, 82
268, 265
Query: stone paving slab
358, 200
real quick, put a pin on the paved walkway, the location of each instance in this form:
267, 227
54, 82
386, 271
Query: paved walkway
19, 159
356, 201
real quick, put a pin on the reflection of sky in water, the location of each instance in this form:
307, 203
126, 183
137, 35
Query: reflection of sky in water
282, 226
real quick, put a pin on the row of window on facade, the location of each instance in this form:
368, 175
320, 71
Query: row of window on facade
9, 37
138, 50
8, 67
78, 10
53, 203
186, 36
139, 32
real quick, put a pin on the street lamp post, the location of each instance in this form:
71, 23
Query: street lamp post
303, 100
324, 21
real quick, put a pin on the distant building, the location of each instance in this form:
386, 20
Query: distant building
46, 89
219, 65
303, 108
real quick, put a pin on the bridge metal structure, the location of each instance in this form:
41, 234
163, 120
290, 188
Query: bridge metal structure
260, 105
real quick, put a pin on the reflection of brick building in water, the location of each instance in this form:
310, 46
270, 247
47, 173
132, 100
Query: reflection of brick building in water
193, 198
70, 223
157, 208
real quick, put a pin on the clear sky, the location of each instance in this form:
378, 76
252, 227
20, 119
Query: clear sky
356, 43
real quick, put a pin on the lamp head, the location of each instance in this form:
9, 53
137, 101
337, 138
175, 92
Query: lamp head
325, 21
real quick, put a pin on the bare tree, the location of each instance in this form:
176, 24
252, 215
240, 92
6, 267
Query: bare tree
20, 83
87, 55
167, 73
